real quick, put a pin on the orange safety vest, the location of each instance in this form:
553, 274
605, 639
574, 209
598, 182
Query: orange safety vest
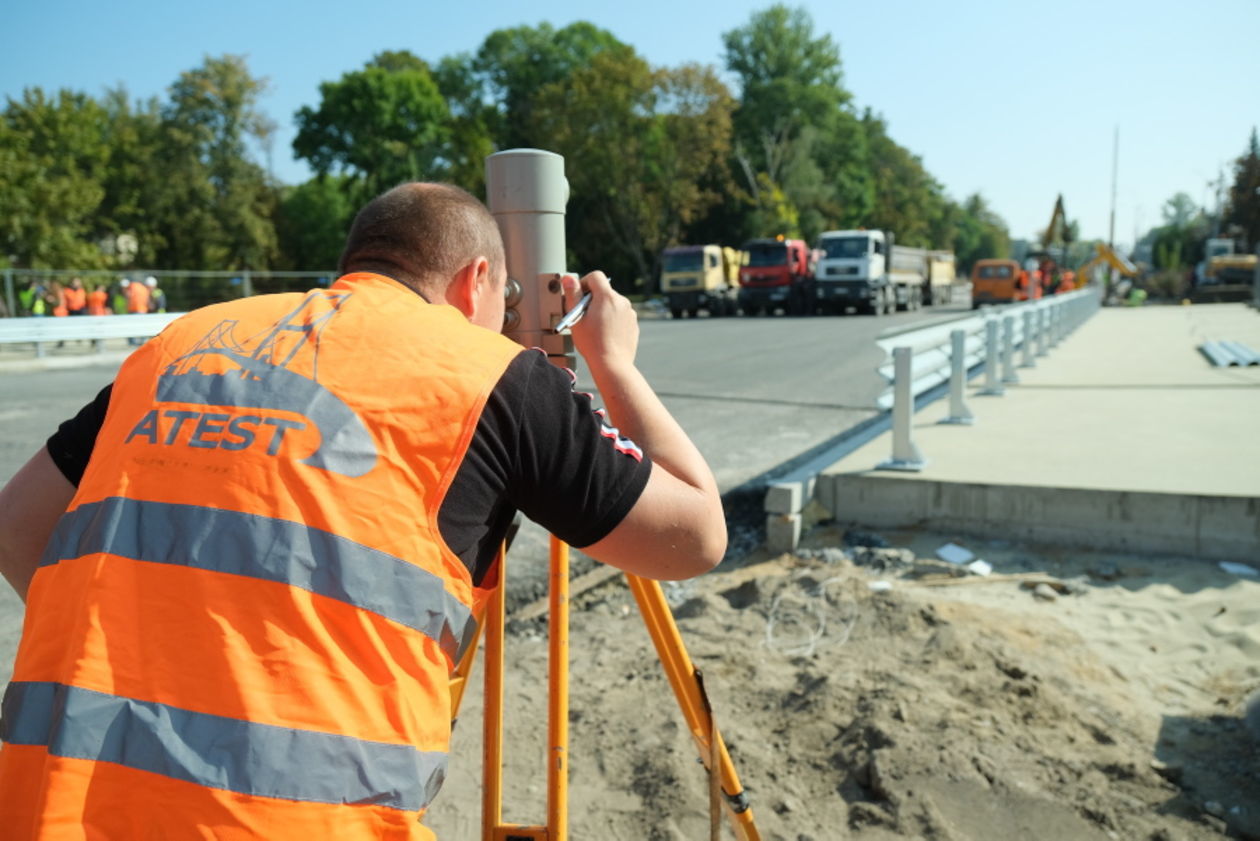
137, 297
76, 299
98, 302
245, 623
60, 309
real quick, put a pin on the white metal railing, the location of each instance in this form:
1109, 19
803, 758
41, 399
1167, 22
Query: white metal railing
923, 359
95, 328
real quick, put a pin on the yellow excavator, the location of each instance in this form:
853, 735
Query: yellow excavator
1104, 256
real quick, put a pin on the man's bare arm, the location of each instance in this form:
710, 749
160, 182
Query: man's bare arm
30, 505
677, 528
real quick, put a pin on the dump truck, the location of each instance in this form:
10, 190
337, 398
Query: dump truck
868, 271
777, 274
700, 277
942, 275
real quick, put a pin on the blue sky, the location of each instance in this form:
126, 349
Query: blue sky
1015, 100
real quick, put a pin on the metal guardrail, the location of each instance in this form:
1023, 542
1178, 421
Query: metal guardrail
185, 289
955, 351
40, 330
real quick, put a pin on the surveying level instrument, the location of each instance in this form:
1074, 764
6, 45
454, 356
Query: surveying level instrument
526, 192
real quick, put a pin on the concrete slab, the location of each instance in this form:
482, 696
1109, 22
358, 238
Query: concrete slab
1143, 443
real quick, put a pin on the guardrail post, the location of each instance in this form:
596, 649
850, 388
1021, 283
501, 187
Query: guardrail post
958, 410
9, 296
1028, 341
1056, 325
905, 455
1042, 321
992, 382
1009, 376
247, 285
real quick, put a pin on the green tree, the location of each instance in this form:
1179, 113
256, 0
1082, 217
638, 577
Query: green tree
1178, 243
1243, 209
216, 204
1179, 211
645, 154
312, 220
979, 233
908, 201
134, 179
382, 125
795, 126
52, 155
514, 65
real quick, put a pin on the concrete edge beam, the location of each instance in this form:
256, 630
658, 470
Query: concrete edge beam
783, 532
1208, 527
790, 496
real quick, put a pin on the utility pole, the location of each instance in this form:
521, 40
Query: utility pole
1115, 165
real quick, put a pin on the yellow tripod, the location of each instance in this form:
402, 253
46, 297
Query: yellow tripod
684, 678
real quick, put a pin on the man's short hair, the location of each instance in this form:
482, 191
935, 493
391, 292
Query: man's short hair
421, 234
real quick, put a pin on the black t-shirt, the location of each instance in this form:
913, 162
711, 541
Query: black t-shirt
538, 448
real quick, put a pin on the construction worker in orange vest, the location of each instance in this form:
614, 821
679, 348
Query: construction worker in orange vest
250, 564
76, 297
98, 300
137, 297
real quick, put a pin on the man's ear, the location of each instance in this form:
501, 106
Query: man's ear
461, 292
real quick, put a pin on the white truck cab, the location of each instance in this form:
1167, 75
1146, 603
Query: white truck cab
852, 271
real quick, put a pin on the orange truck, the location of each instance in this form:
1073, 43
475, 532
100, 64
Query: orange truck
1000, 282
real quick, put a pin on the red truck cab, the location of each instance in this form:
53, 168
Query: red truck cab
776, 274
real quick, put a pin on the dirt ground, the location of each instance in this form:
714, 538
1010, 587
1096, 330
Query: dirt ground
942, 708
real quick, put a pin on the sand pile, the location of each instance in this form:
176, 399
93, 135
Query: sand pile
1109, 708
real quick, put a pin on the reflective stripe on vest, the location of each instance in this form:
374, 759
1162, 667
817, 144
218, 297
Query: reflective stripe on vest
236, 543
224, 753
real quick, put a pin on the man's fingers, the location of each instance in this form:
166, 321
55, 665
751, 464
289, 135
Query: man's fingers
597, 283
572, 289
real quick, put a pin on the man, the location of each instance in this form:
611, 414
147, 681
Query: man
76, 297
157, 297
98, 301
137, 297
244, 624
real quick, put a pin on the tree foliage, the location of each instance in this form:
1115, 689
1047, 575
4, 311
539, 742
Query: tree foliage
52, 156
655, 156
1243, 210
382, 125
645, 151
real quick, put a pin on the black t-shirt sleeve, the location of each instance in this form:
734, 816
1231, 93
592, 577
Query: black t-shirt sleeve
540, 447
576, 474
72, 444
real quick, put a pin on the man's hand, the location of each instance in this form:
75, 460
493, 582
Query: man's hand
676, 529
608, 335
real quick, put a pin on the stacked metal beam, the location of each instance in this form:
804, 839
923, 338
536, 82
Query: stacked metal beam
1225, 353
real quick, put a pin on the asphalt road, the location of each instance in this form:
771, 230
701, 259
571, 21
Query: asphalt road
752, 392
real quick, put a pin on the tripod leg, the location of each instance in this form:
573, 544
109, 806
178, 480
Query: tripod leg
558, 695
692, 700
492, 724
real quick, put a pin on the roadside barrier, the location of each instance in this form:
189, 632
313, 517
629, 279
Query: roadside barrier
953, 352
94, 328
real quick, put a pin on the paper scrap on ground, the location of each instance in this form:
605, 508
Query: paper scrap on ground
879, 586
1240, 569
952, 553
980, 567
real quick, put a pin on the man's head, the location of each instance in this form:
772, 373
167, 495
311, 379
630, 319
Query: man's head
438, 240
150, 282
